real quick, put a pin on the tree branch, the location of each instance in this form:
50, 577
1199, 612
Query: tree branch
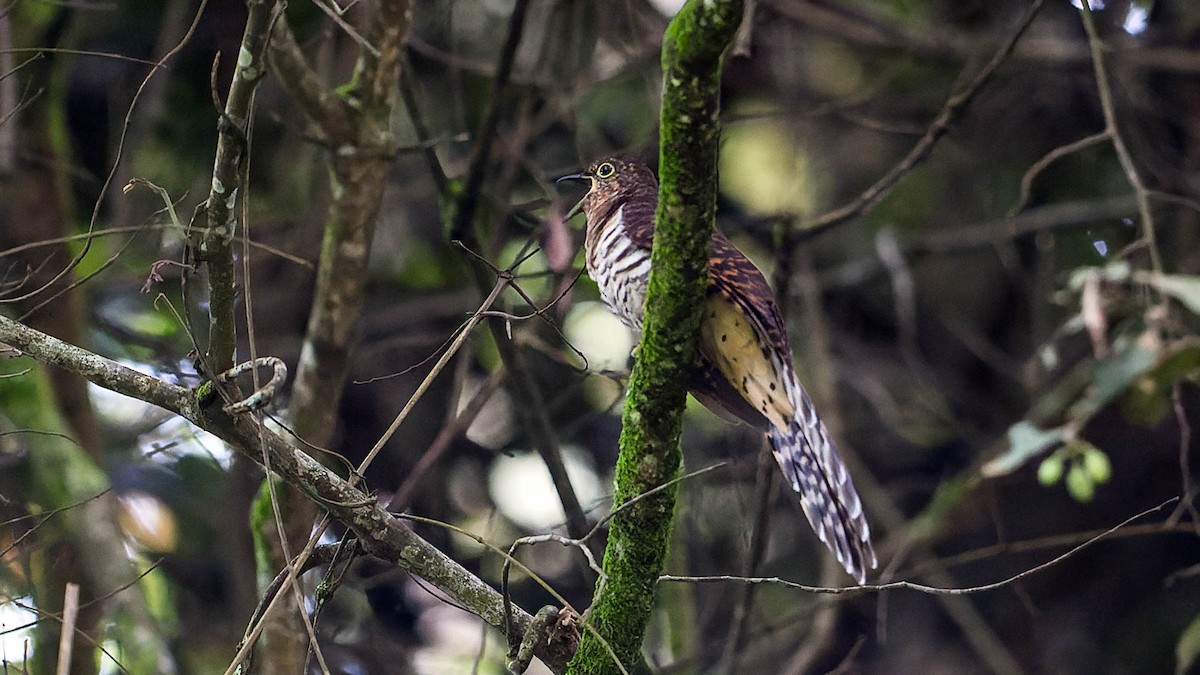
362, 142
649, 447
214, 241
954, 108
287, 60
379, 532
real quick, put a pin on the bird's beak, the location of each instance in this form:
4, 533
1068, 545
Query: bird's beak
575, 210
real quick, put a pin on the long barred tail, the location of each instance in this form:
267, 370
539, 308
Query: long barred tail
811, 463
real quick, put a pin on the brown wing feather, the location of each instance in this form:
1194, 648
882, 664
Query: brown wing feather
754, 369
741, 336
742, 333
760, 388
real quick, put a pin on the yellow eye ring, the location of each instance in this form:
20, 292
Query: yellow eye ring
605, 170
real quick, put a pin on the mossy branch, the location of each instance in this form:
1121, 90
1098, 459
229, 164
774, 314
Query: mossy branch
379, 533
213, 241
649, 447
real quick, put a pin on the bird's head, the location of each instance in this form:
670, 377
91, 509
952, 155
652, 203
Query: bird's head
614, 178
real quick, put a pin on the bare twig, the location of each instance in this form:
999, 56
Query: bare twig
1187, 503
187, 37
37, 51
953, 109
1048, 159
135, 228
65, 639
341, 23
445, 437
1038, 219
1134, 177
764, 489
464, 213
43, 614
1043, 543
433, 373
908, 585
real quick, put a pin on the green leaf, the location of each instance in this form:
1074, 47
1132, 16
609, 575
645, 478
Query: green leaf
1050, 471
1079, 484
1025, 441
1149, 400
157, 324
1098, 467
1187, 650
1113, 376
1182, 287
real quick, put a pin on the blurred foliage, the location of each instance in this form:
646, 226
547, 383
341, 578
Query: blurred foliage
998, 380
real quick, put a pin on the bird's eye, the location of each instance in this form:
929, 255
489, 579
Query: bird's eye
605, 170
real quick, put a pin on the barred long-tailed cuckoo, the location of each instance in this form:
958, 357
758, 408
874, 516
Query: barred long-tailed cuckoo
745, 372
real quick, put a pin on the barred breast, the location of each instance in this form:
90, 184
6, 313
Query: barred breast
621, 269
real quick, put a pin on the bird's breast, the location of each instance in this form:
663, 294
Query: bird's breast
620, 268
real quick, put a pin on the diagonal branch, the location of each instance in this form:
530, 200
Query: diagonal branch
379, 532
954, 108
1104, 89
320, 103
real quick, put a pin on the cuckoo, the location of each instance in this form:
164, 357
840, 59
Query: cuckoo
745, 372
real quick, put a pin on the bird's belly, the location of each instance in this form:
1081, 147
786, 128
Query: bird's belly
622, 271
627, 301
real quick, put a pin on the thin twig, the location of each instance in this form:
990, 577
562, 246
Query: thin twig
501, 284
953, 109
448, 433
43, 614
187, 37
764, 483
149, 226
66, 637
347, 28
1048, 159
1104, 90
464, 214
912, 586
1188, 502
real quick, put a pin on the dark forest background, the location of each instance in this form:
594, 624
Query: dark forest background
1005, 343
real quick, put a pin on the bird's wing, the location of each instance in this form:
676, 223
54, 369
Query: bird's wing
741, 333
741, 309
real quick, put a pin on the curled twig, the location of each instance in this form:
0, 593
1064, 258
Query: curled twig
265, 393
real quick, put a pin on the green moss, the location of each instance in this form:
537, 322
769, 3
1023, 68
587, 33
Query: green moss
205, 393
649, 447
262, 531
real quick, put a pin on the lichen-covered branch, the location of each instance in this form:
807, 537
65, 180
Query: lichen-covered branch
213, 242
355, 123
649, 454
357, 127
379, 532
